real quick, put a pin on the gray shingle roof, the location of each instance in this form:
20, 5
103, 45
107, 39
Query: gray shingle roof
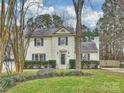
89, 47
44, 32
48, 32
86, 46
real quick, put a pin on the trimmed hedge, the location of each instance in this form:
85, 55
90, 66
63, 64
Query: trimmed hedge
122, 65
52, 63
89, 64
39, 64
84, 64
72, 64
13, 80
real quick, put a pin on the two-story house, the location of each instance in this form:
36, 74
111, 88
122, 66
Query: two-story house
59, 45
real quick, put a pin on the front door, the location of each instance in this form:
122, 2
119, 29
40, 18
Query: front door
62, 59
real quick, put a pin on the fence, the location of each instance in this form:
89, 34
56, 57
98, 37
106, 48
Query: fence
109, 63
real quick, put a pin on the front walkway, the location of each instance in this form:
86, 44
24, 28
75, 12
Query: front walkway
115, 69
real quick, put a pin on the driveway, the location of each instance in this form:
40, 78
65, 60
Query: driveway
115, 69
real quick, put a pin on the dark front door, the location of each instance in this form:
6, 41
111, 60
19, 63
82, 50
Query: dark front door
63, 59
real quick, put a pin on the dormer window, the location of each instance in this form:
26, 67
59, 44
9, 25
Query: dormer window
63, 41
38, 42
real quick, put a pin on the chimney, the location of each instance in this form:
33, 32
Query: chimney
96, 40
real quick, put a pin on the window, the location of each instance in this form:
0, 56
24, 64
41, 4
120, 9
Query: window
38, 42
63, 41
38, 57
85, 56
42, 57
88, 56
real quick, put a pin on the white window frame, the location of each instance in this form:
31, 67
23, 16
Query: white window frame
38, 42
37, 57
85, 56
63, 41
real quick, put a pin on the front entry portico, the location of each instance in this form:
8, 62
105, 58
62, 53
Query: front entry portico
63, 59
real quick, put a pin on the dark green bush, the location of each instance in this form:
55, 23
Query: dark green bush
73, 73
39, 64
32, 64
52, 63
89, 64
45, 64
84, 64
122, 65
72, 64
13, 80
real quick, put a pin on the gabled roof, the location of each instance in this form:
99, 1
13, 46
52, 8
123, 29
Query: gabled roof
50, 31
89, 47
71, 30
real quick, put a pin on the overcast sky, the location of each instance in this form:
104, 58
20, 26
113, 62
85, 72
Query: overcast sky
91, 13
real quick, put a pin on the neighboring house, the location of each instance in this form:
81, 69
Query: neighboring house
9, 64
59, 45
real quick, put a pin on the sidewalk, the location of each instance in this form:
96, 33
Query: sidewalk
115, 69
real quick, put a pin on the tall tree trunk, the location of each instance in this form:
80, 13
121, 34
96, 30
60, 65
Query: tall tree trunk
78, 5
78, 42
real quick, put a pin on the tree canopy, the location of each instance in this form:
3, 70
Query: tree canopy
111, 28
46, 21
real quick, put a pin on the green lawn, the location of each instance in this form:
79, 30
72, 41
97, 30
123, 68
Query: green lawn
101, 82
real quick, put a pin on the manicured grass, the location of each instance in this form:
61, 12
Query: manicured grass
101, 82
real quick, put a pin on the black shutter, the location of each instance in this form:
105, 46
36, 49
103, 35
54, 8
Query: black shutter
88, 56
59, 41
81, 56
34, 41
32, 57
44, 57
42, 41
66, 40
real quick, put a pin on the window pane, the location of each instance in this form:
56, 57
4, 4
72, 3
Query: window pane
84, 56
42, 57
36, 57
63, 41
38, 42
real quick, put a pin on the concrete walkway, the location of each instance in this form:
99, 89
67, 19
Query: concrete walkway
115, 69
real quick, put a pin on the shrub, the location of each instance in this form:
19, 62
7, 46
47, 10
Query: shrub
84, 64
73, 73
89, 64
32, 64
39, 64
52, 63
122, 65
45, 64
72, 64
13, 80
